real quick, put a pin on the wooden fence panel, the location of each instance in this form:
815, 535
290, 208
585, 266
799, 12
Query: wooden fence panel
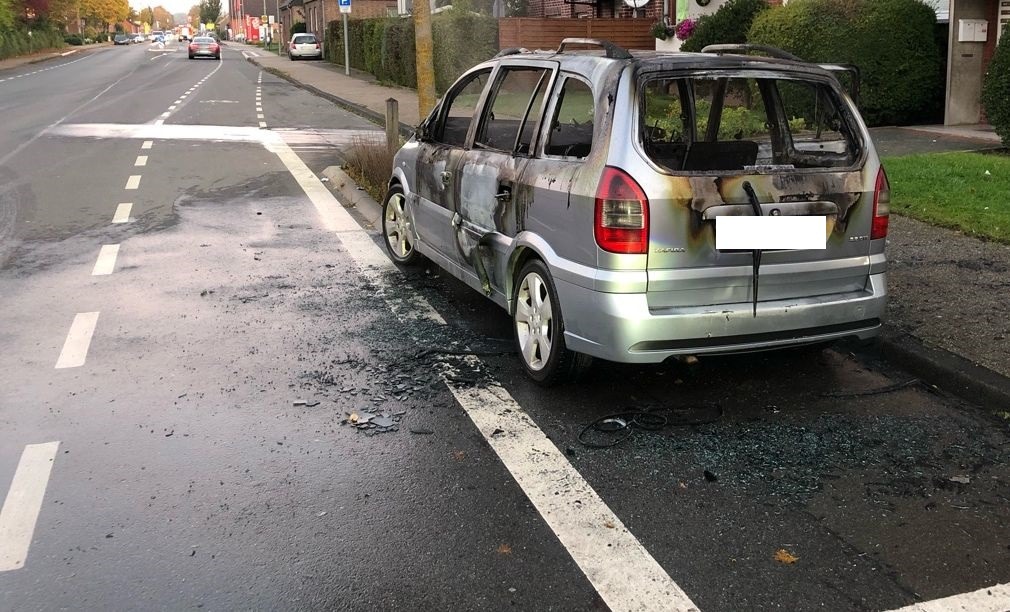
547, 33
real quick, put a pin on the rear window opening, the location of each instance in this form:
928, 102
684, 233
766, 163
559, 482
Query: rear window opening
744, 124
304, 39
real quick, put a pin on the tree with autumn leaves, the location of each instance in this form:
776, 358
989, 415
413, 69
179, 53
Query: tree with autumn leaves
100, 14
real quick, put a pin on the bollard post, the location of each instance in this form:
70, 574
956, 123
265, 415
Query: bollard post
392, 124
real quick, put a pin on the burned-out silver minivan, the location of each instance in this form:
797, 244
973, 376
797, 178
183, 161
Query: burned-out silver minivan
640, 206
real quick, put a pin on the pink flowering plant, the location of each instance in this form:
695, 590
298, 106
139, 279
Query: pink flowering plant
685, 29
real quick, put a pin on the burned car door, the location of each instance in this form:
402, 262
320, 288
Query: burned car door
490, 195
439, 154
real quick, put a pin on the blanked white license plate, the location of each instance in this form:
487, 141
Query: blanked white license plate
770, 233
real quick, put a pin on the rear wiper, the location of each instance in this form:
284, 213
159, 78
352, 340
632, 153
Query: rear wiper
756, 253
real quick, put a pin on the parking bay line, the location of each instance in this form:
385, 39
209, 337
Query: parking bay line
23, 503
621, 570
991, 599
75, 348
106, 263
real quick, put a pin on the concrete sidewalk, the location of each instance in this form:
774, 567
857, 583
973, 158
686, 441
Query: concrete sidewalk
948, 318
359, 93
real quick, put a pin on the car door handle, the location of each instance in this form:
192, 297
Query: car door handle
446, 177
504, 195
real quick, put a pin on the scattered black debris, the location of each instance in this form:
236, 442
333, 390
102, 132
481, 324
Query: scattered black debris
497, 432
421, 431
169, 434
878, 391
709, 476
108, 536
570, 451
192, 553
613, 429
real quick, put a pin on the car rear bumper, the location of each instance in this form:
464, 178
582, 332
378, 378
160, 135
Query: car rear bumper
621, 327
314, 53
204, 53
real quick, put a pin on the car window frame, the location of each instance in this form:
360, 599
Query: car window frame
436, 131
552, 108
643, 77
486, 104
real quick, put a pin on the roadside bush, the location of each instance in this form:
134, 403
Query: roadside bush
996, 89
385, 47
892, 42
73, 39
299, 27
19, 42
370, 164
729, 24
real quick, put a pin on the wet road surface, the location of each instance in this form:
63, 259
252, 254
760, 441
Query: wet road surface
216, 371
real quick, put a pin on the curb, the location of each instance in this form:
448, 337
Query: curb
356, 200
377, 118
951, 372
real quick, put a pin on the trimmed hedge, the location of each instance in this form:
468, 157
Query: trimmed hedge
18, 42
729, 24
891, 41
385, 47
996, 89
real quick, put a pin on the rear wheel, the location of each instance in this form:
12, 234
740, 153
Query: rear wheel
397, 228
539, 329
190, 56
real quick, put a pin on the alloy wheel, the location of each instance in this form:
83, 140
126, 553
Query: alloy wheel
534, 321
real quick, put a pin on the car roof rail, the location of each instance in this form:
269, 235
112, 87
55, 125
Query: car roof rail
744, 49
613, 51
511, 51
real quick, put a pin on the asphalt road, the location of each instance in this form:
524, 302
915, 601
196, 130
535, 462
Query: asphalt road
162, 446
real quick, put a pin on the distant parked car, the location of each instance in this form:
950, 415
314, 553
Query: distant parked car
304, 45
138, 38
637, 206
121, 39
204, 46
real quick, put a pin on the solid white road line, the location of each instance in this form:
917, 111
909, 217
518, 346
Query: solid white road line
263, 124
24, 500
147, 144
75, 348
992, 599
141, 160
159, 122
122, 213
621, 570
106, 260
133, 182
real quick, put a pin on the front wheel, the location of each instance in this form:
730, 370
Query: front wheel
398, 229
539, 329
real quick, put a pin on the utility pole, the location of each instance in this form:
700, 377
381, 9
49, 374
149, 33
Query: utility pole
425, 68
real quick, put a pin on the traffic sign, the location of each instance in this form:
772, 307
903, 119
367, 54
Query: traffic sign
345, 6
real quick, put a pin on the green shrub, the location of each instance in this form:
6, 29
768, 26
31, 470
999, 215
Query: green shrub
892, 42
385, 47
996, 89
729, 24
19, 42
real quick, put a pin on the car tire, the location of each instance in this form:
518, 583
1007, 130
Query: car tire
397, 228
538, 329
190, 56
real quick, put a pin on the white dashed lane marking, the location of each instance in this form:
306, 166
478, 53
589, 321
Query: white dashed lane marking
123, 213
147, 144
23, 503
133, 182
75, 348
106, 263
141, 160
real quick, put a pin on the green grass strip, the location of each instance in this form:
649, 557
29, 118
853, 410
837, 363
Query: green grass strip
964, 191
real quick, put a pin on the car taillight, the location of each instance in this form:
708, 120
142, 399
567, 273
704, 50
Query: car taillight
881, 206
317, 45
192, 46
217, 48
622, 213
